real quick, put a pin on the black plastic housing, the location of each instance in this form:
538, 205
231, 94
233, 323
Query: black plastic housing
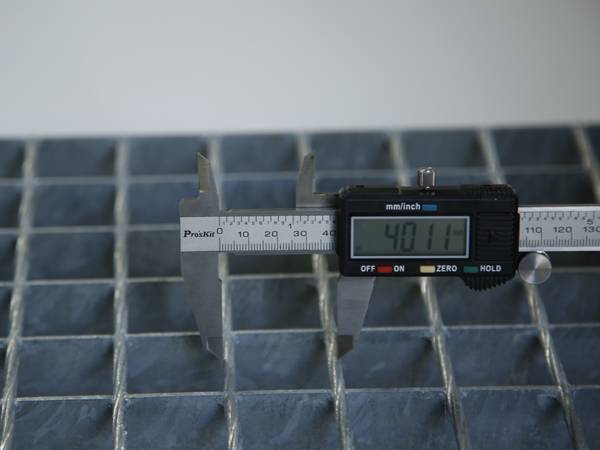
493, 234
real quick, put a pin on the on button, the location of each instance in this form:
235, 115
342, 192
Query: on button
384, 269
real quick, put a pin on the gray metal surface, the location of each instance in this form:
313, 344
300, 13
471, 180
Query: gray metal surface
535, 268
100, 348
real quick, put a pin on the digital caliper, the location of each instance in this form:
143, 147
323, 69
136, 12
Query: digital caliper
476, 232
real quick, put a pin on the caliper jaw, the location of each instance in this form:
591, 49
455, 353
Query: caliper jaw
353, 297
353, 293
306, 197
200, 270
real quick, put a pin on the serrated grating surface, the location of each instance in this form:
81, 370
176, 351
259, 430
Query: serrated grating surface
99, 346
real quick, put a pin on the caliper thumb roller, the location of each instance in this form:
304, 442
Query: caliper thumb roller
477, 232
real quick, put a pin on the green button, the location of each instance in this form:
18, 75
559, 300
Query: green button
471, 269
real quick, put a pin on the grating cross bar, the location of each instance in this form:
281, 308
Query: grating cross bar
452, 391
539, 316
326, 313
17, 299
120, 298
231, 413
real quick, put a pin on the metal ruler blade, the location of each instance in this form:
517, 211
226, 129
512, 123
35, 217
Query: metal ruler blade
299, 231
261, 232
559, 228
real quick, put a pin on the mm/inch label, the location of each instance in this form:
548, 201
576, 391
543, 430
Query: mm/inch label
294, 233
559, 228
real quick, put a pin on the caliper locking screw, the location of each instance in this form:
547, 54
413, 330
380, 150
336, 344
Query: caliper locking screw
426, 178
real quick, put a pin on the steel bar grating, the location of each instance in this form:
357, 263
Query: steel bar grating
99, 348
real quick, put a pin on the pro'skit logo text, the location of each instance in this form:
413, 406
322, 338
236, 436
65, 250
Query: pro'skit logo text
198, 234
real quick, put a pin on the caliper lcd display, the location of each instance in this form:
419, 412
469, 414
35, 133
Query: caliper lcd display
410, 237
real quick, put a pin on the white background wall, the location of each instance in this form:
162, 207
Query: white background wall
113, 66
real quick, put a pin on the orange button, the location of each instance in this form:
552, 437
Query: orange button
384, 269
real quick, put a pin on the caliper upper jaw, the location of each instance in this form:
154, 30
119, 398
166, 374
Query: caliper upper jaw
306, 197
200, 270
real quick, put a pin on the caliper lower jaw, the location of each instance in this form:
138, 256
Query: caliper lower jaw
353, 297
200, 270
353, 293
205, 298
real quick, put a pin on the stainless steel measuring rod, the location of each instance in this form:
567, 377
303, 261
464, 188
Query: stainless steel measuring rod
476, 232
